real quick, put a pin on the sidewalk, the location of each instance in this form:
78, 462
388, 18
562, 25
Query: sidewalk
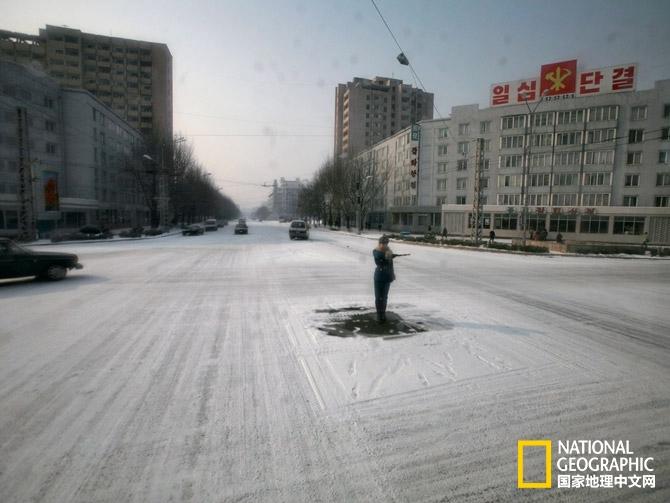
375, 235
115, 239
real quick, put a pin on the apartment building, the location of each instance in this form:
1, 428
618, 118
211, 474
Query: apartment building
369, 110
131, 77
284, 198
65, 157
598, 168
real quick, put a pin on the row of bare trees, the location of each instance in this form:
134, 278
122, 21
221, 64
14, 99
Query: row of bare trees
169, 170
344, 192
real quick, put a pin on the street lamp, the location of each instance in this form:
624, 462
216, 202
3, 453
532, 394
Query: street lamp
526, 164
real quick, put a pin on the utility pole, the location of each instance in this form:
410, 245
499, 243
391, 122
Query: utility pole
526, 164
476, 229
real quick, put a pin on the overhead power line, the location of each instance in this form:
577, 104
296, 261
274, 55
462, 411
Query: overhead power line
403, 55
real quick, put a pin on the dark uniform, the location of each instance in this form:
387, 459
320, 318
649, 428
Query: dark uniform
384, 275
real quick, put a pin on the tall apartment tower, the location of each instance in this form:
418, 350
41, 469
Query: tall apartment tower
367, 111
131, 77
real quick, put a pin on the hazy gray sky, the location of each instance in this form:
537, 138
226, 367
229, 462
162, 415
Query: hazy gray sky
259, 66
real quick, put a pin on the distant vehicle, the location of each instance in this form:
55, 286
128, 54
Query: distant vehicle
86, 232
17, 262
222, 223
193, 230
298, 229
241, 227
211, 224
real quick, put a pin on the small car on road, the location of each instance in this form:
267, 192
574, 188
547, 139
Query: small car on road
18, 262
193, 230
299, 229
241, 227
211, 224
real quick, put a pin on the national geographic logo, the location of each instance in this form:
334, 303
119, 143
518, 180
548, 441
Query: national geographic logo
584, 464
543, 484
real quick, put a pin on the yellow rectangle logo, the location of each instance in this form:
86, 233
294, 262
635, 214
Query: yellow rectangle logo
546, 484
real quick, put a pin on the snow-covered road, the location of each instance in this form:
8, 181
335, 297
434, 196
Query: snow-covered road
194, 369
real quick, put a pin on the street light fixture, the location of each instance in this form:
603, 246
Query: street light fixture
526, 164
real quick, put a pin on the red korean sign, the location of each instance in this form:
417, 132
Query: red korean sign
561, 80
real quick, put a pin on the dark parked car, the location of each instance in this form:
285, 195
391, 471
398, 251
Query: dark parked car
17, 262
193, 230
86, 232
241, 227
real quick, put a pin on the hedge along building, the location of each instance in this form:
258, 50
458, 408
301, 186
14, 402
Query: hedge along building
592, 163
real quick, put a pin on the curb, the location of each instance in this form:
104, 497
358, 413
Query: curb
98, 241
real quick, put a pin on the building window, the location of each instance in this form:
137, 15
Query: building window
630, 201
569, 138
568, 158
461, 183
463, 147
542, 140
513, 121
511, 141
601, 135
631, 180
635, 135
442, 184
441, 167
440, 200
634, 158
594, 224
49, 125
664, 156
539, 179
601, 178
509, 199
510, 161
538, 199
638, 113
463, 129
629, 225
505, 222
461, 200
606, 113
562, 223
566, 178
666, 111
564, 199
662, 179
510, 180
51, 148
484, 127
442, 150
543, 119
662, 201
665, 133
462, 164
486, 163
595, 199
540, 160
442, 132
48, 102
570, 117
599, 157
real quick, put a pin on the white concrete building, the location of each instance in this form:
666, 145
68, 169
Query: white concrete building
598, 169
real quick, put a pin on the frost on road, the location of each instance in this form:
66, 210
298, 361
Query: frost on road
199, 369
